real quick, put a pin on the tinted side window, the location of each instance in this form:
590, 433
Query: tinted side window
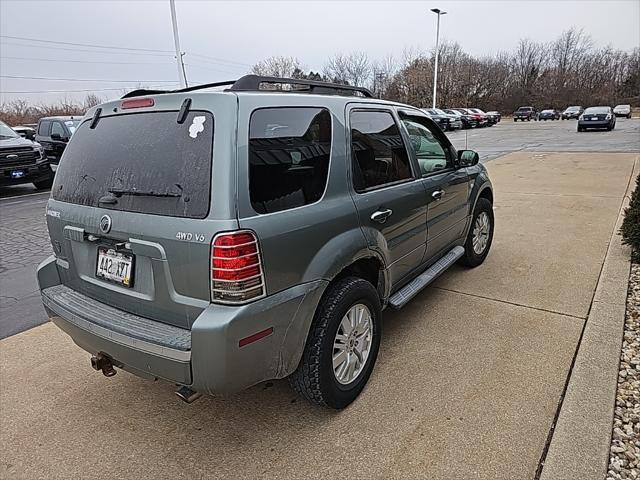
429, 152
289, 152
43, 128
379, 154
57, 127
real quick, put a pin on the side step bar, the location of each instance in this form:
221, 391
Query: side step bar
411, 289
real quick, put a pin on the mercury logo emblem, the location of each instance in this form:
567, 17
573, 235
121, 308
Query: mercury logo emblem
105, 224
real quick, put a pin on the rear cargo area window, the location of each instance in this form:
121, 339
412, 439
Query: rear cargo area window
142, 162
289, 151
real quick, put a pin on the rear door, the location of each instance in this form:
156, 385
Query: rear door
43, 138
388, 192
446, 187
59, 138
135, 206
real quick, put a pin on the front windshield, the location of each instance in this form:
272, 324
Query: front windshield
573, 109
547, 111
439, 112
597, 110
6, 131
72, 125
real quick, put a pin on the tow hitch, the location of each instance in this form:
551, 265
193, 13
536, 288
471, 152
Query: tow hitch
101, 362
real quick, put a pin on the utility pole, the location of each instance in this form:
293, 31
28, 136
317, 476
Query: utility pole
182, 76
438, 12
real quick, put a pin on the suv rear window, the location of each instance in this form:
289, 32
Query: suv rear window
289, 151
147, 162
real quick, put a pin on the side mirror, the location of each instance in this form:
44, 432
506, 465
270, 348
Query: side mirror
468, 158
56, 136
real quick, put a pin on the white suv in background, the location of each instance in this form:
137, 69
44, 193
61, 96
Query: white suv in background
622, 111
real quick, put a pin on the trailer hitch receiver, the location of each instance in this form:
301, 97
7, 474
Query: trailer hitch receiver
102, 362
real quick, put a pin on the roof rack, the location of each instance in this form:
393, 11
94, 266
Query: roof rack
251, 83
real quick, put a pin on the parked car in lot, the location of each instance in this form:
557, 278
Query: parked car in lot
525, 113
445, 120
480, 119
467, 121
22, 160
597, 117
572, 112
488, 121
53, 133
495, 115
25, 132
267, 256
549, 114
622, 111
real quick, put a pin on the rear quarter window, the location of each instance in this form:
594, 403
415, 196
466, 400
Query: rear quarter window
289, 150
43, 128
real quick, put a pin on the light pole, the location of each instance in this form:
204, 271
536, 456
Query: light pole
182, 76
438, 12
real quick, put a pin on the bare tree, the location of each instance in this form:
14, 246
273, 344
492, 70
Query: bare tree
91, 100
278, 67
351, 69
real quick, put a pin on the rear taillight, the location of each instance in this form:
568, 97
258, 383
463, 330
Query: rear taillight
236, 268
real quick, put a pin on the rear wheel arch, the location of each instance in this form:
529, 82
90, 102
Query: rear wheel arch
370, 269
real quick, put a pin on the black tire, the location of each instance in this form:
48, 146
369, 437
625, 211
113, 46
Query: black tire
580, 129
515, 119
314, 378
629, 116
470, 257
44, 184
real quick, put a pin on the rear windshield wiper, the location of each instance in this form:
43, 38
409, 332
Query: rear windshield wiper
118, 192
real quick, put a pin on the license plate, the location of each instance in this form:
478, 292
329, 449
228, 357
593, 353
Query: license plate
17, 174
594, 118
115, 266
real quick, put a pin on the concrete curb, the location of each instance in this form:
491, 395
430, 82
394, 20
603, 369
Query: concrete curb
580, 443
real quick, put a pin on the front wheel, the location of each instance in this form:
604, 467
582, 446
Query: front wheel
342, 345
44, 184
480, 236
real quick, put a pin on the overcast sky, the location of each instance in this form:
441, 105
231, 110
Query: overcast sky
222, 39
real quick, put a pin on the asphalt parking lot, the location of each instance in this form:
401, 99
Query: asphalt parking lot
468, 380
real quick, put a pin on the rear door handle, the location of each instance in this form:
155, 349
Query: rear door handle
438, 194
381, 216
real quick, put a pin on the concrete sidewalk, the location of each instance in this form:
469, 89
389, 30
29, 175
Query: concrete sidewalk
467, 385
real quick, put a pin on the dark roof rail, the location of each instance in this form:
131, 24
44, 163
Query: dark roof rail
252, 83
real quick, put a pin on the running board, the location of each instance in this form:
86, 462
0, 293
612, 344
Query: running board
411, 289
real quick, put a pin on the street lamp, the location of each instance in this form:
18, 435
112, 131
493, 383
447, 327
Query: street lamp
438, 12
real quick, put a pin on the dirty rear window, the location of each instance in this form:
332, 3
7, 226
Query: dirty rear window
143, 162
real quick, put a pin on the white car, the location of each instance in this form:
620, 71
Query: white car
622, 111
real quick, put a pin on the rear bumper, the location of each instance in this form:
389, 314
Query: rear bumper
208, 357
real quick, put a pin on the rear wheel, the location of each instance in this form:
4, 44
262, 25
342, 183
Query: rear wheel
480, 236
342, 345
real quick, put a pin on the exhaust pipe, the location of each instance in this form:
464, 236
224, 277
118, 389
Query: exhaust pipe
187, 395
101, 362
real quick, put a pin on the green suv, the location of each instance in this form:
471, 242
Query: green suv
218, 239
